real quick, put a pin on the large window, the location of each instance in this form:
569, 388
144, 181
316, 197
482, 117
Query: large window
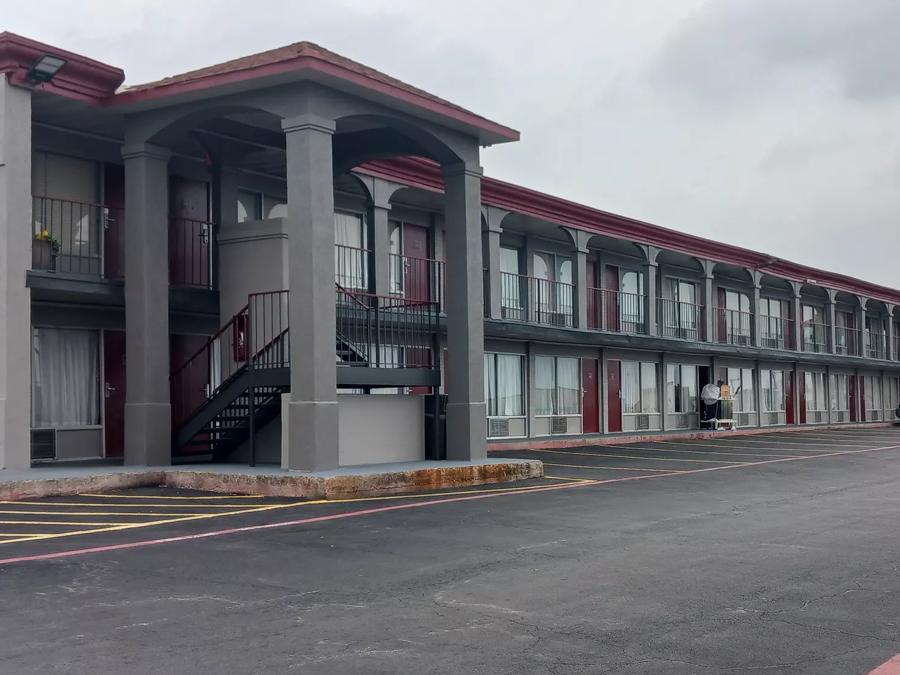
557, 383
681, 388
510, 284
639, 388
816, 398
351, 259
256, 206
840, 398
737, 317
771, 327
814, 339
872, 396
504, 385
552, 290
65, 378
772, 385
631, 302
680, 311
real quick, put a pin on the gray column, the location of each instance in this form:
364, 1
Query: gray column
148, 427
651, 267
312, 420
798, 316
378, 213
466, 421
755, 334
832, 334
580, 240
708, 309
15, 260
889, 353
224, 208
493, 218
860, 312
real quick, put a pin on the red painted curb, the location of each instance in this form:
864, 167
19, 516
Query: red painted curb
892, 667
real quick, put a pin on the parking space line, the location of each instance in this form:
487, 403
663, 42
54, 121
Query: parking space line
737, 447
614, 468
569, 478
97, 513
745, 439
80, 523
710, 452
139, 505
184, 497
654, 459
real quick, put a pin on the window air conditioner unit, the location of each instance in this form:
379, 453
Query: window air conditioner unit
742, 419
559, 425
773, 418
642, 422
498, 428
43, 444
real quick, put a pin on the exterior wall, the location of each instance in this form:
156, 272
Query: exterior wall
252, 259
380, 429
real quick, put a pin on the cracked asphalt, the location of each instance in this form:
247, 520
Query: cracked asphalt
783, 567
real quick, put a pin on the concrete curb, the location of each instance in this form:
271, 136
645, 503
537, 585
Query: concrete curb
307, 486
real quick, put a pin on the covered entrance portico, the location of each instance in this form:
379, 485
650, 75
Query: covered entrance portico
305, 118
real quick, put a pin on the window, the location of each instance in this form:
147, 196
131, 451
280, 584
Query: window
875, 336
395, 245
737, 317
680, 310
631, 302
813, 328
510, 284
504, 385
274, 207
65, 378
249, 206
872, 386
553, 286
557, 382
840, 393
639, 388
681, 388
351, 259
741, 382
771, 327
814, 385
772, 384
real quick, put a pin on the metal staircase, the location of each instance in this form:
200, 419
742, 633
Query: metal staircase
231, 388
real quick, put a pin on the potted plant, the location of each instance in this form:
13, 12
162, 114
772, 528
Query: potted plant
44, 251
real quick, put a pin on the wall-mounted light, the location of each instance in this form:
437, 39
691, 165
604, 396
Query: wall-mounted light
45, 68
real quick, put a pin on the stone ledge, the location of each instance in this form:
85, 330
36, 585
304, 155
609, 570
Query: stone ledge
345, 483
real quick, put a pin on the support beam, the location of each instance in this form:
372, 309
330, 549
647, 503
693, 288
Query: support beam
312, 420
756, 333
832, 328
15, 260
224, 208
709, 313
580, 240
859, 313
148, 425
466, 411
650, 273
890, 348
492, 226
378, 213
796, 312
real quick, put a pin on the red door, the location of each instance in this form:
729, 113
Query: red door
614, 395
417, 277
590, 397
611, 298
114, 392
790, 415
191, 391
801, 392
854, 399
189, 233
114, 234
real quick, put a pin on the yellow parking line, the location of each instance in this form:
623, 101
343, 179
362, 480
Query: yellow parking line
613, 468
653, 459
568, 478
107, 505
55, 522
19, 534
98, 513
97, 494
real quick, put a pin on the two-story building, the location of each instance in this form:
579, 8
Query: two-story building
292, 257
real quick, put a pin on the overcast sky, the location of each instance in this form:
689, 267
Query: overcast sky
771, 124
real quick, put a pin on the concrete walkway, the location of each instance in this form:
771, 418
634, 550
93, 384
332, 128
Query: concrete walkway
354, 481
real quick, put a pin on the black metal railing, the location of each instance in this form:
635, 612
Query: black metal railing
677, 319
74, 237
417, 278
541, 301
268, 337
776, 332
616, 311
876, 345
847, 341
732, 326
190, 252
351, 267
814, 337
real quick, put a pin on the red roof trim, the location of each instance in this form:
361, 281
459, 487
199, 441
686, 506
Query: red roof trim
81, 78
164, 90
425, 174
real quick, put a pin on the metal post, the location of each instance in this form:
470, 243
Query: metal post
251, 393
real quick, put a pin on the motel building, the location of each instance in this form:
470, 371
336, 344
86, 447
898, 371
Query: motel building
294, 259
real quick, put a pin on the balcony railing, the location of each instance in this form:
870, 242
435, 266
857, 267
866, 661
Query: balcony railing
814, 337
733, 327
351, 267
616, 311
896, 346
846, 341
682, 320
533, 300
417, 278
875, 345
74, 237
776, 332
190, 247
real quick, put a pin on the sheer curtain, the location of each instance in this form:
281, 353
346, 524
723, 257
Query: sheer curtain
569, 386
490, 385
544, 384
349, 256
510, 399
631, 387
65, 378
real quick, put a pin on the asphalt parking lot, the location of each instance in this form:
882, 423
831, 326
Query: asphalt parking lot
773, 553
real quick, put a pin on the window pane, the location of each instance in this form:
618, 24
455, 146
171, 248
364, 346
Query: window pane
569, 386
248, 206
631, 387
544, 385
689, 389
509, 260
65, 378
649, 398
542, 266
490, 384
673, 388
510, 386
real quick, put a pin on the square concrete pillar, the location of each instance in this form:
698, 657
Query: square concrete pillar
312, 418
148, 416
492, 229
224, 208
755, 332
379, 219
890, 348
709, 310
832, 333
797, 313
466, 411
650, 312
15, 260
860, 318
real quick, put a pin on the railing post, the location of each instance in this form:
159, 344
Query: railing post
251, 393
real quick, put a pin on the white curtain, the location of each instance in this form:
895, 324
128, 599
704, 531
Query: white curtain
544, 384
65, 377
649, 398
350, 264
569, 386
510, 398
631, 387
490, 385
